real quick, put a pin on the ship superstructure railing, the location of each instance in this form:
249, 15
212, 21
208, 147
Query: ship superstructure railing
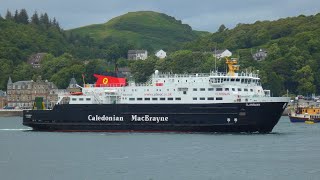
105, 85
169, 75
241, 74
222, 74
117, 85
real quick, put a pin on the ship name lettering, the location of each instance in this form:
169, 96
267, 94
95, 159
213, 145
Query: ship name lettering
104, 118
252, 104
147, 118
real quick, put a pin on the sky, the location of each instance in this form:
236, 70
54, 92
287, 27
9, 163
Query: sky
203, 15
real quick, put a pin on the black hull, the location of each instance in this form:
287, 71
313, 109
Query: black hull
232, 117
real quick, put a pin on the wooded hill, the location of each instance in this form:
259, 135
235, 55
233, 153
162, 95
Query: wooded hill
143, 30
293, 46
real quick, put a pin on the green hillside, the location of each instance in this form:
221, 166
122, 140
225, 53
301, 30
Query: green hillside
21, 37
143, 29
293, 46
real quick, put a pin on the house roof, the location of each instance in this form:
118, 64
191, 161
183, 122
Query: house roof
262, 50
22, 82
73, 81
52, 85
159, 50
136, 51
2, 93
9, 80
219, 51
124, 69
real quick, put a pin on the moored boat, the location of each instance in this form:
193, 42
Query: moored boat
308, 114
213, 102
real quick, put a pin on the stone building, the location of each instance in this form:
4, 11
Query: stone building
73, 86
137, 54
21, 94
261, 54
3, 99
35, 59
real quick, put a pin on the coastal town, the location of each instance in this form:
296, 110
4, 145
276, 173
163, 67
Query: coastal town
20, 95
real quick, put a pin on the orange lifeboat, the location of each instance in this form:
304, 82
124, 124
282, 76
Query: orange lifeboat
76, 93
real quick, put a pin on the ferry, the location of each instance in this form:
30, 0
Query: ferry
201, 102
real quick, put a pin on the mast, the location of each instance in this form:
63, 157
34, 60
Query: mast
232, 66
215, 59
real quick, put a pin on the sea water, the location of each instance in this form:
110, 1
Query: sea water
291, 151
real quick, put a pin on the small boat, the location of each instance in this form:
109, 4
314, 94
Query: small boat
306, 114
309, 122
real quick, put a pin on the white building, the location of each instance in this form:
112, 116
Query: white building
222, 53
161, 54
137, 54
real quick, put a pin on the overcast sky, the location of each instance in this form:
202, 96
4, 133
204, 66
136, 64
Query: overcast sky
206, 15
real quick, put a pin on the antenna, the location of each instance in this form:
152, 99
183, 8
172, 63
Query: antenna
215, 58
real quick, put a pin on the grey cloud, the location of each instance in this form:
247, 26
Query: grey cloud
200, 15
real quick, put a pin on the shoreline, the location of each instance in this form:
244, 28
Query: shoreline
11, 112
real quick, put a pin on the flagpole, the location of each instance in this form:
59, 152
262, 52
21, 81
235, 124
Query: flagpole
84, 83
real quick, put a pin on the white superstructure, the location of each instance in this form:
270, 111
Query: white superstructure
168, 88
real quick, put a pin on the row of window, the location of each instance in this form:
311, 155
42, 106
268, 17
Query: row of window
221, 89
209, 98
155, 99
211, 89
177, 99
81, 99
243, 81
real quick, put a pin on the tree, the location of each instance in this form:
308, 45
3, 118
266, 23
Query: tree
15, 17
23, 71
55, 23
63, 76
23, 17
306, 81
35, 18
275, 84
44, 20
6, 67
113, 52
122, 62
274, 52
94, 66
9, 15
142, 69
222, 28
